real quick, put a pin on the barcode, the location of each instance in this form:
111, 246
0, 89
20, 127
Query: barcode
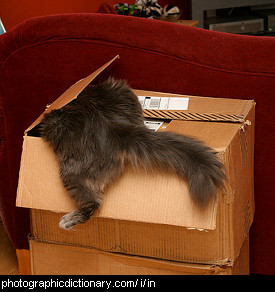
164, 102
154, 103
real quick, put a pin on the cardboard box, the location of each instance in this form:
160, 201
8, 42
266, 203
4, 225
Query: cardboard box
148, 214
57, 259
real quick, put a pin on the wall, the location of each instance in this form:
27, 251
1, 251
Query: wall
12, 12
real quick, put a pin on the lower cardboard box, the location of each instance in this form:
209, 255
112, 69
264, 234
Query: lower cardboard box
59, 259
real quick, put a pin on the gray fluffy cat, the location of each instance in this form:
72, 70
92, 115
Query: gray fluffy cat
101, 131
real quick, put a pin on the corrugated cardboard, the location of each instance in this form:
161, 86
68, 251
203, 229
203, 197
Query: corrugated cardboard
152, 214
56, 259
41, 186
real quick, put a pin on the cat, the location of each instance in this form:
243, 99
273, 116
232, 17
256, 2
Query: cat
96, 135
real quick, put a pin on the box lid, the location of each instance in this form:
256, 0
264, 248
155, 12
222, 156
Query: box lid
71, 93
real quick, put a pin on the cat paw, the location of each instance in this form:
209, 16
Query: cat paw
67, 222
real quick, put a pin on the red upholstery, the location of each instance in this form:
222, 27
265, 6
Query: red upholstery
42, 57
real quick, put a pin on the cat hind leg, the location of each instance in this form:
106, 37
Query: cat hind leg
87, 196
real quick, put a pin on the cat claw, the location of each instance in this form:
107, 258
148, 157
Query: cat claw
67, 222
77, 216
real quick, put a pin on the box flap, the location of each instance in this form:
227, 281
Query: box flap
71, 93
41, 189
217, 136
200, 108
146, 197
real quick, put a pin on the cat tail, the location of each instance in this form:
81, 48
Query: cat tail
189, 158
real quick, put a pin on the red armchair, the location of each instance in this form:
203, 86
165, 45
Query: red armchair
42, 57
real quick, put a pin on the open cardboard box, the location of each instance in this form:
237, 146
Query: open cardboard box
151, 214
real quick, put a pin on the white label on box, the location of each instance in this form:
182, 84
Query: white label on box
163, 103
153, 125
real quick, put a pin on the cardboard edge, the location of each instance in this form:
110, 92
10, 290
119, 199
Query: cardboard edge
76, 89
229, 201
18, 201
